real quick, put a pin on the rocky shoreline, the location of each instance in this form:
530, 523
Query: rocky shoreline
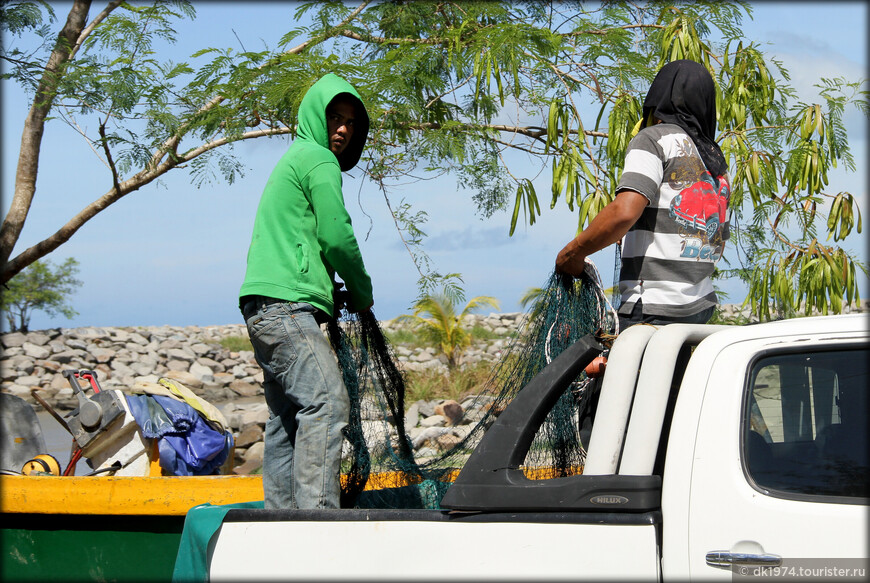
231, 380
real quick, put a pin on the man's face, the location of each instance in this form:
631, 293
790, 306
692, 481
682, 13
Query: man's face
339, 125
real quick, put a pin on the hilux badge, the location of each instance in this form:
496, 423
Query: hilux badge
608, 499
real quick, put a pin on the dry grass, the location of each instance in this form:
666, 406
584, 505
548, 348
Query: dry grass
431, 385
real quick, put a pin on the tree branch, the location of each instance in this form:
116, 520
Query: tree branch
118, 191
69, 42
529, 131
199, 150
109, 159
391, 41
172, 143
90, 28
604, 31
334, 31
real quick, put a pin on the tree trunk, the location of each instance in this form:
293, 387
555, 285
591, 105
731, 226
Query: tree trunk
34, 126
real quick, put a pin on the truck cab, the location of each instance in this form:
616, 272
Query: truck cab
767, 456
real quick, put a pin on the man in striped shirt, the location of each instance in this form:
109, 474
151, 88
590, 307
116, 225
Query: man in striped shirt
671, 205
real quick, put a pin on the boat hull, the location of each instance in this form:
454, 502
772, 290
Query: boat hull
70, 547
104, 528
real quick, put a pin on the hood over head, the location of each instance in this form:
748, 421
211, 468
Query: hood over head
683, 93
312, 117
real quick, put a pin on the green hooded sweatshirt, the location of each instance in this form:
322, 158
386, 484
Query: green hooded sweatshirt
302, 233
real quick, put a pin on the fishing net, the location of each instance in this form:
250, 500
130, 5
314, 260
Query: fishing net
380, 468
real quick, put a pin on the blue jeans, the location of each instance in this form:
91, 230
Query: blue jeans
308, 405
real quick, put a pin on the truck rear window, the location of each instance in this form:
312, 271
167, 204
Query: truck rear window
805, 424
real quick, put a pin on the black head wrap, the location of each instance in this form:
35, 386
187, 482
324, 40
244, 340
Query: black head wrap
683, 93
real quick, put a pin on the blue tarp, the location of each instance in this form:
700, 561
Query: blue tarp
188, 445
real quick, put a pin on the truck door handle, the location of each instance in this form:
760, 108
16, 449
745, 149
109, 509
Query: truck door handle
725, 559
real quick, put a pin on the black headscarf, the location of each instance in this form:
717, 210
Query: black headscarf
683, 93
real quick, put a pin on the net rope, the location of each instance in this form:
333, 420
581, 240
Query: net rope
380, 468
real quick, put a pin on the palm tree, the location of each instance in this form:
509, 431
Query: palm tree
531, 296
441, 326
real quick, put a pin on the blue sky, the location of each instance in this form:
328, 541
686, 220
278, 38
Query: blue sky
174, 254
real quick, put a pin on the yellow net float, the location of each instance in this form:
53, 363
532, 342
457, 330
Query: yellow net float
41, 464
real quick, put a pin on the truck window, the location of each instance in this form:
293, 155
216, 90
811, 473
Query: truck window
805, 425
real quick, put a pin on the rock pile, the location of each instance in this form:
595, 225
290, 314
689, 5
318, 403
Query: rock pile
231, 379
122, 356
737, 314
196, 357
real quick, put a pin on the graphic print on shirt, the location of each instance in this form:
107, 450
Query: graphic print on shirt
686, 166
700, 207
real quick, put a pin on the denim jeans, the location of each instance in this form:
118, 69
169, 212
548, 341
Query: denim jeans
308, 405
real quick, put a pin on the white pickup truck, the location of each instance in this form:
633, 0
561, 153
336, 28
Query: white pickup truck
717, 452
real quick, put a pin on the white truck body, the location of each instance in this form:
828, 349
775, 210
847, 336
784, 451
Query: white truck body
717, 512
416, 550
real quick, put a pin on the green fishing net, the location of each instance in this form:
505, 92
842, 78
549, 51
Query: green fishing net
380, 469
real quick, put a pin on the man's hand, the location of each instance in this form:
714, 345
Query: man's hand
571, 260
341, 298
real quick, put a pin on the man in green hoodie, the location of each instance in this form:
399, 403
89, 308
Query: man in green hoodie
302, 238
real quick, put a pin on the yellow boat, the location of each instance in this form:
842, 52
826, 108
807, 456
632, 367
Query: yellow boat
99, 527
105, 527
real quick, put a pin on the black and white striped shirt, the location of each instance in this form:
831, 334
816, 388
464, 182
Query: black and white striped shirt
670, 252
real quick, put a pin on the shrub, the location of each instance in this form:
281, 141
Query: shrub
430, 385
237, 343
405, 336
